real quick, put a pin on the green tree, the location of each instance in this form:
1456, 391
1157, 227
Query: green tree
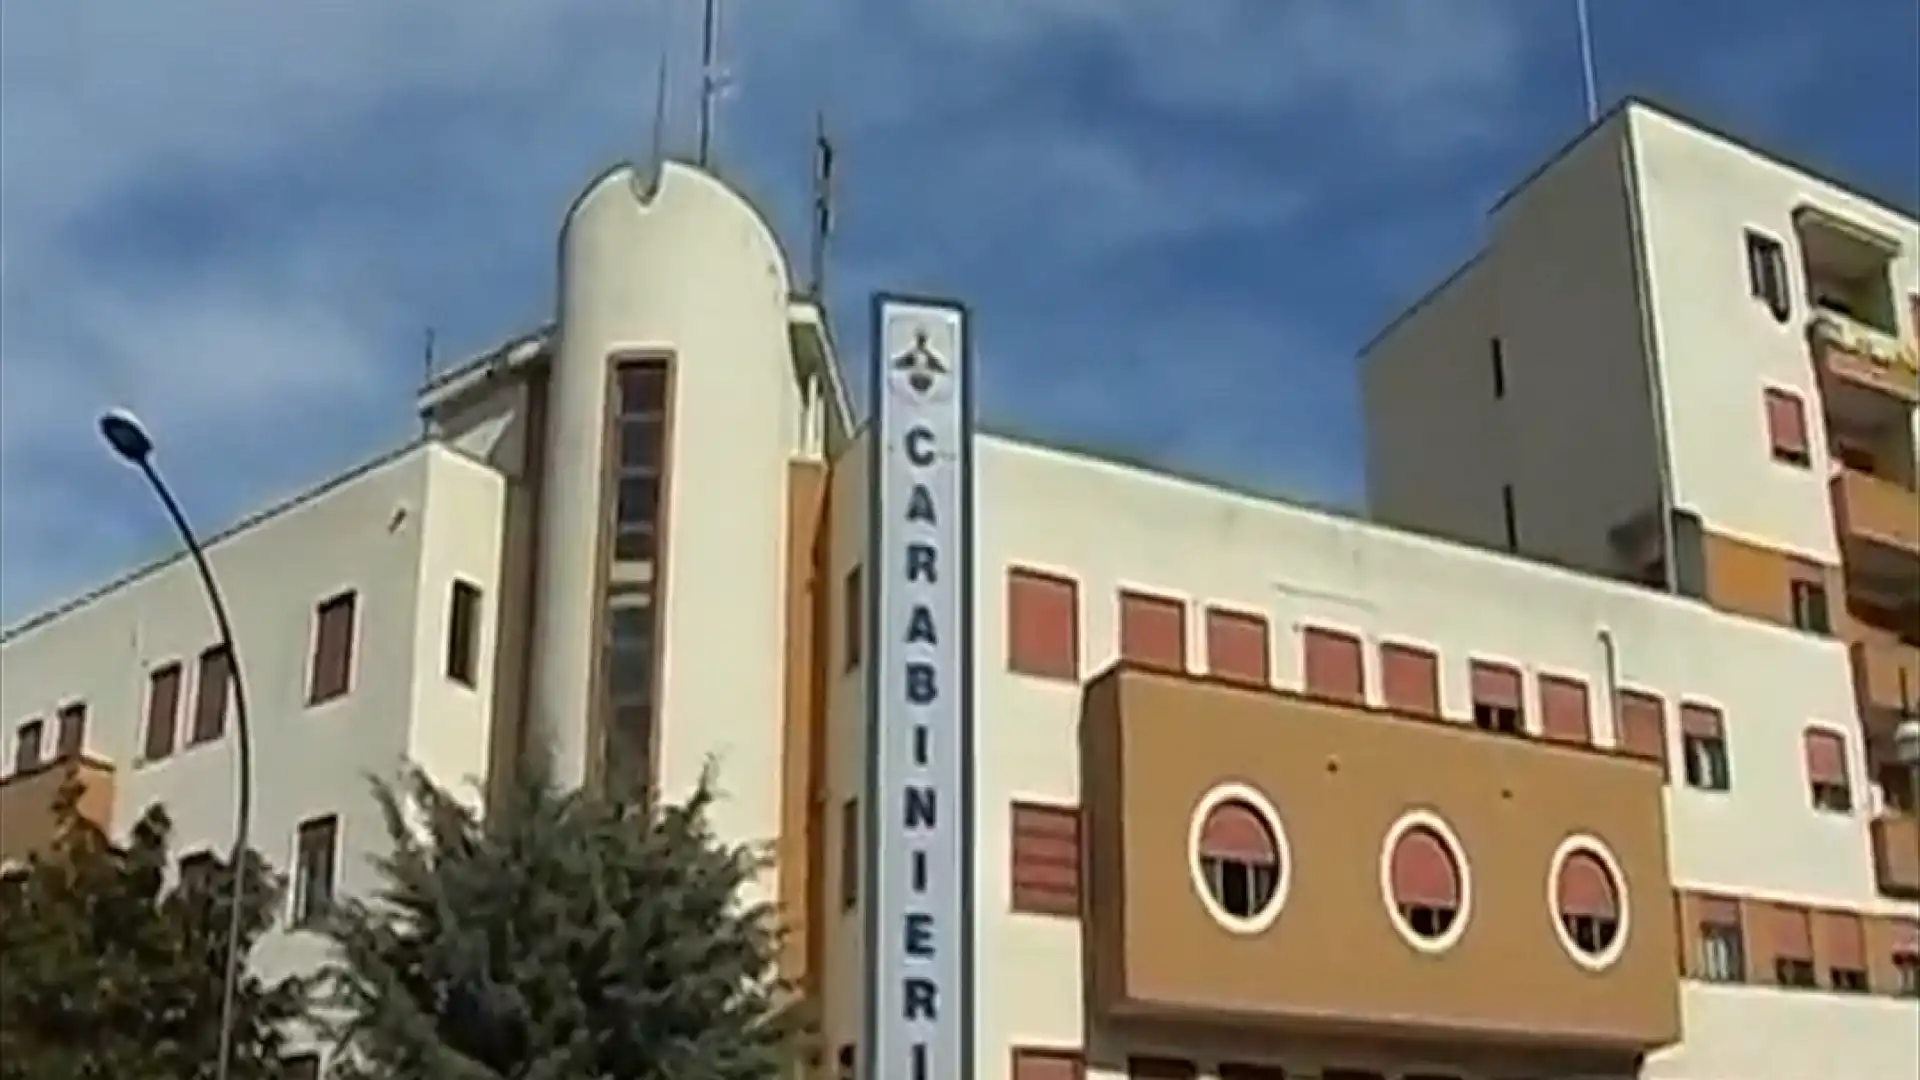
108, 972
559, 937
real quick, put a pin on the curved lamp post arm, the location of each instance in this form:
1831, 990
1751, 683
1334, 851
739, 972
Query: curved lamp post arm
243, 734
124, 432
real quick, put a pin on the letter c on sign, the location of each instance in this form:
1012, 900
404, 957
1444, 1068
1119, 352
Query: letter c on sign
920, 446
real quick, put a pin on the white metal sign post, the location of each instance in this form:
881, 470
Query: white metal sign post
919, 794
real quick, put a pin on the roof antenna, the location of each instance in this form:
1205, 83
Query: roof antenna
1586, 62
426, 377
657, 153
712, 80
822, 209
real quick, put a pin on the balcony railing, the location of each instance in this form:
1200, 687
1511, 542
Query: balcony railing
1896, 854
1877, 511
1886, 675
1859, 355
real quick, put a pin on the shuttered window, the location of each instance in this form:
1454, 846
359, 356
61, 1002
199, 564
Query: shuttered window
1335, 665
1238, 647
1046, 859
1153, 631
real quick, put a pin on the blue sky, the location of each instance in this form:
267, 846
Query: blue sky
1176, 222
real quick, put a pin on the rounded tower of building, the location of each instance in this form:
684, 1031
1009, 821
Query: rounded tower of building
674, 408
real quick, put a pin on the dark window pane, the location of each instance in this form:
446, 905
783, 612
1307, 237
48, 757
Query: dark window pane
629, 743
314, 883
634, 543
627, 674
640, 444
643, 388
630, 625
463, 633
638, 497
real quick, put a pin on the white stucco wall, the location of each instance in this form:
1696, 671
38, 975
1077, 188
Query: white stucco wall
1573, 432
461, 542
1435, 459
1110, 526
393, 533
1719, 348
690, 271
846, 742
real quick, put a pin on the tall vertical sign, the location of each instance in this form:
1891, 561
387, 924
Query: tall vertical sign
919, 866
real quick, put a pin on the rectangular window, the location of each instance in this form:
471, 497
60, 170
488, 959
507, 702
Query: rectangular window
163, 712
640, 405
214, 690
630, 660
314, 866
332, 649
1795, 971
852, 622
1847, 980
1334, 664
1160, 1068
1787, 428
849, 854
1231, 1070
1807, 597
637, 499
1826, 759
1496, 356
1906, 974
1703, 744
1844, 935
1410, 679
1767, 274
1510, 517
1153, 631
1564, 710
1723, 950
1792, 939
1497, 698
1046, 859
27, 745
1643, 726
640, 439
463, 633
1239, 647
1035, 1064
1043, 625
634, 541
642, 388
71, 725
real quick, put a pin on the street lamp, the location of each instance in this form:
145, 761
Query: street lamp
1906, 750
129, 439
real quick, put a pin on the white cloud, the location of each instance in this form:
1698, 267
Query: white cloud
501, 107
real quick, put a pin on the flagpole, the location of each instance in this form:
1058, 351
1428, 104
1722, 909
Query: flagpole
1586, 61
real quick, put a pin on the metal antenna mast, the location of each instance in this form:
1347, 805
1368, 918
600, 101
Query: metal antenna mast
426, 375
1589, 81
658, 150
712, 80
822, 208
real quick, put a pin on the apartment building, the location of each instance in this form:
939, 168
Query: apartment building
1681, 360
1246, 789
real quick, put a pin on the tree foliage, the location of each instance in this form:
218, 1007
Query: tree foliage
562, 937
108, 971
